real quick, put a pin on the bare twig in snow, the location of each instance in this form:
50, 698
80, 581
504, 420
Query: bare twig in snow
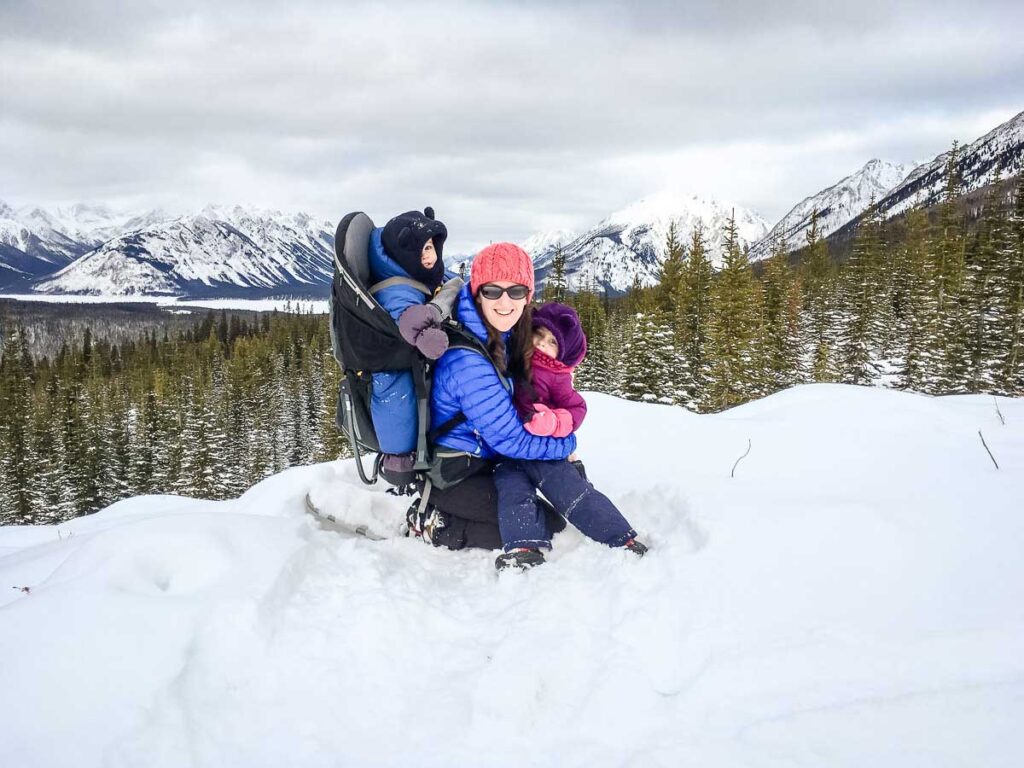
986, 448
733, 473
996, 402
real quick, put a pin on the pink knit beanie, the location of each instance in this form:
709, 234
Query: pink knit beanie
501, 261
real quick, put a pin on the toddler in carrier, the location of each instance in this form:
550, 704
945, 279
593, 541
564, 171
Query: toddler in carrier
406, 266
549, 405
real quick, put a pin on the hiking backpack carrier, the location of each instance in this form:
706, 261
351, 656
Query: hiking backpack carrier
365, 340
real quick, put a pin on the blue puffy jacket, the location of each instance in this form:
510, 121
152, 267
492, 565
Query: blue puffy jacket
467, 382
393, 403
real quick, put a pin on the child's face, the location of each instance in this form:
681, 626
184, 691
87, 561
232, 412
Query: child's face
428, 257
544, 340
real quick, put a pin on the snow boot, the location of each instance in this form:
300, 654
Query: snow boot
523, 558
425, 525
637, 548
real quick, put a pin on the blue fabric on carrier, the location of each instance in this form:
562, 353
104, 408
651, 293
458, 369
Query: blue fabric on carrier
393, 402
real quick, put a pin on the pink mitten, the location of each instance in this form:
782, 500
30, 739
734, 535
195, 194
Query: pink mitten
543, 422
563, 425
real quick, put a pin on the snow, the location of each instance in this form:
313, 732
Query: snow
853, 596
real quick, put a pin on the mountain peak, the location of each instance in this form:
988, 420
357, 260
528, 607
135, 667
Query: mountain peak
630, 242
998, 154
835, 205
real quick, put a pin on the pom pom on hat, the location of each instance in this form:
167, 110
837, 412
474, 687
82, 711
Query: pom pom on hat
501, 261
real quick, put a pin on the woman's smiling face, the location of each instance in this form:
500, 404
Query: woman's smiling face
503, 312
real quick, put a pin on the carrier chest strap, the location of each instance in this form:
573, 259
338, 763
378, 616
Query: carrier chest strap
397, 280
448, 426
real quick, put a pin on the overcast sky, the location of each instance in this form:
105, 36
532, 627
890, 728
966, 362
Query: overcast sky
507, 117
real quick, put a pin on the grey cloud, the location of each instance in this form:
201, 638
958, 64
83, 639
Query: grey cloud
519, 113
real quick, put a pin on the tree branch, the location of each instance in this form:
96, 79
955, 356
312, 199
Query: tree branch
986, 448
733, 473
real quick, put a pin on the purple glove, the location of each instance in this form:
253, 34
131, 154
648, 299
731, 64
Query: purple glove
420, 325
432, 343
413, 321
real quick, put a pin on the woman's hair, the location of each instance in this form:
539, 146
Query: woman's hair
521, 342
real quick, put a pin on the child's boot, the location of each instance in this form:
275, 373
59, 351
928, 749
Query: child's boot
522, 558
636, 547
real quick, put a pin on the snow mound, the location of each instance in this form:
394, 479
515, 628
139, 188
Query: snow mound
854, 595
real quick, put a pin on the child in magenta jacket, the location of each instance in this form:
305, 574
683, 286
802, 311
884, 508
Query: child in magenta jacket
550, 406
548, 403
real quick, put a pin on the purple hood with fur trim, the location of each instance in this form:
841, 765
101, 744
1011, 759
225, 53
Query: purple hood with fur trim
564, 324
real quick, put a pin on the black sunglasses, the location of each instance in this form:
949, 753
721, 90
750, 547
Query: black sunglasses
493, 292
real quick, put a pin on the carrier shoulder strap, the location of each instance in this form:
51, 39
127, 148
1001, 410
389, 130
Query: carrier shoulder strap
397, 280
463, 339
460, 338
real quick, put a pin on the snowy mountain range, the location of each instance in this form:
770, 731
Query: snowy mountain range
222, 252
35, 243
631, 242
243, 252
836, 205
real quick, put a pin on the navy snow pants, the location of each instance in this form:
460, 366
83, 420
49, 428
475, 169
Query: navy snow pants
523, 525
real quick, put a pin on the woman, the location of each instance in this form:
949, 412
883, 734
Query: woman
472, 408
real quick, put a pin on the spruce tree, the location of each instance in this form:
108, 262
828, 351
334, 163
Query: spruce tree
555, 284
592, 374
948, 254
48, 487
693, 314
1010, 362
818, 281
781, 308
735, 375
861, 299
670, 276
916, 320
16, 400
985, 291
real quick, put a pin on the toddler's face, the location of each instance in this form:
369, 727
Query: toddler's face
428, 257
544, 340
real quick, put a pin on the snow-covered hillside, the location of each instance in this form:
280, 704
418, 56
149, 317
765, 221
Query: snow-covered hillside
854, 596
220, 251
631, 241
836, 205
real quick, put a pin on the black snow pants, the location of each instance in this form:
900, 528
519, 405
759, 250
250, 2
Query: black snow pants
471, 512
